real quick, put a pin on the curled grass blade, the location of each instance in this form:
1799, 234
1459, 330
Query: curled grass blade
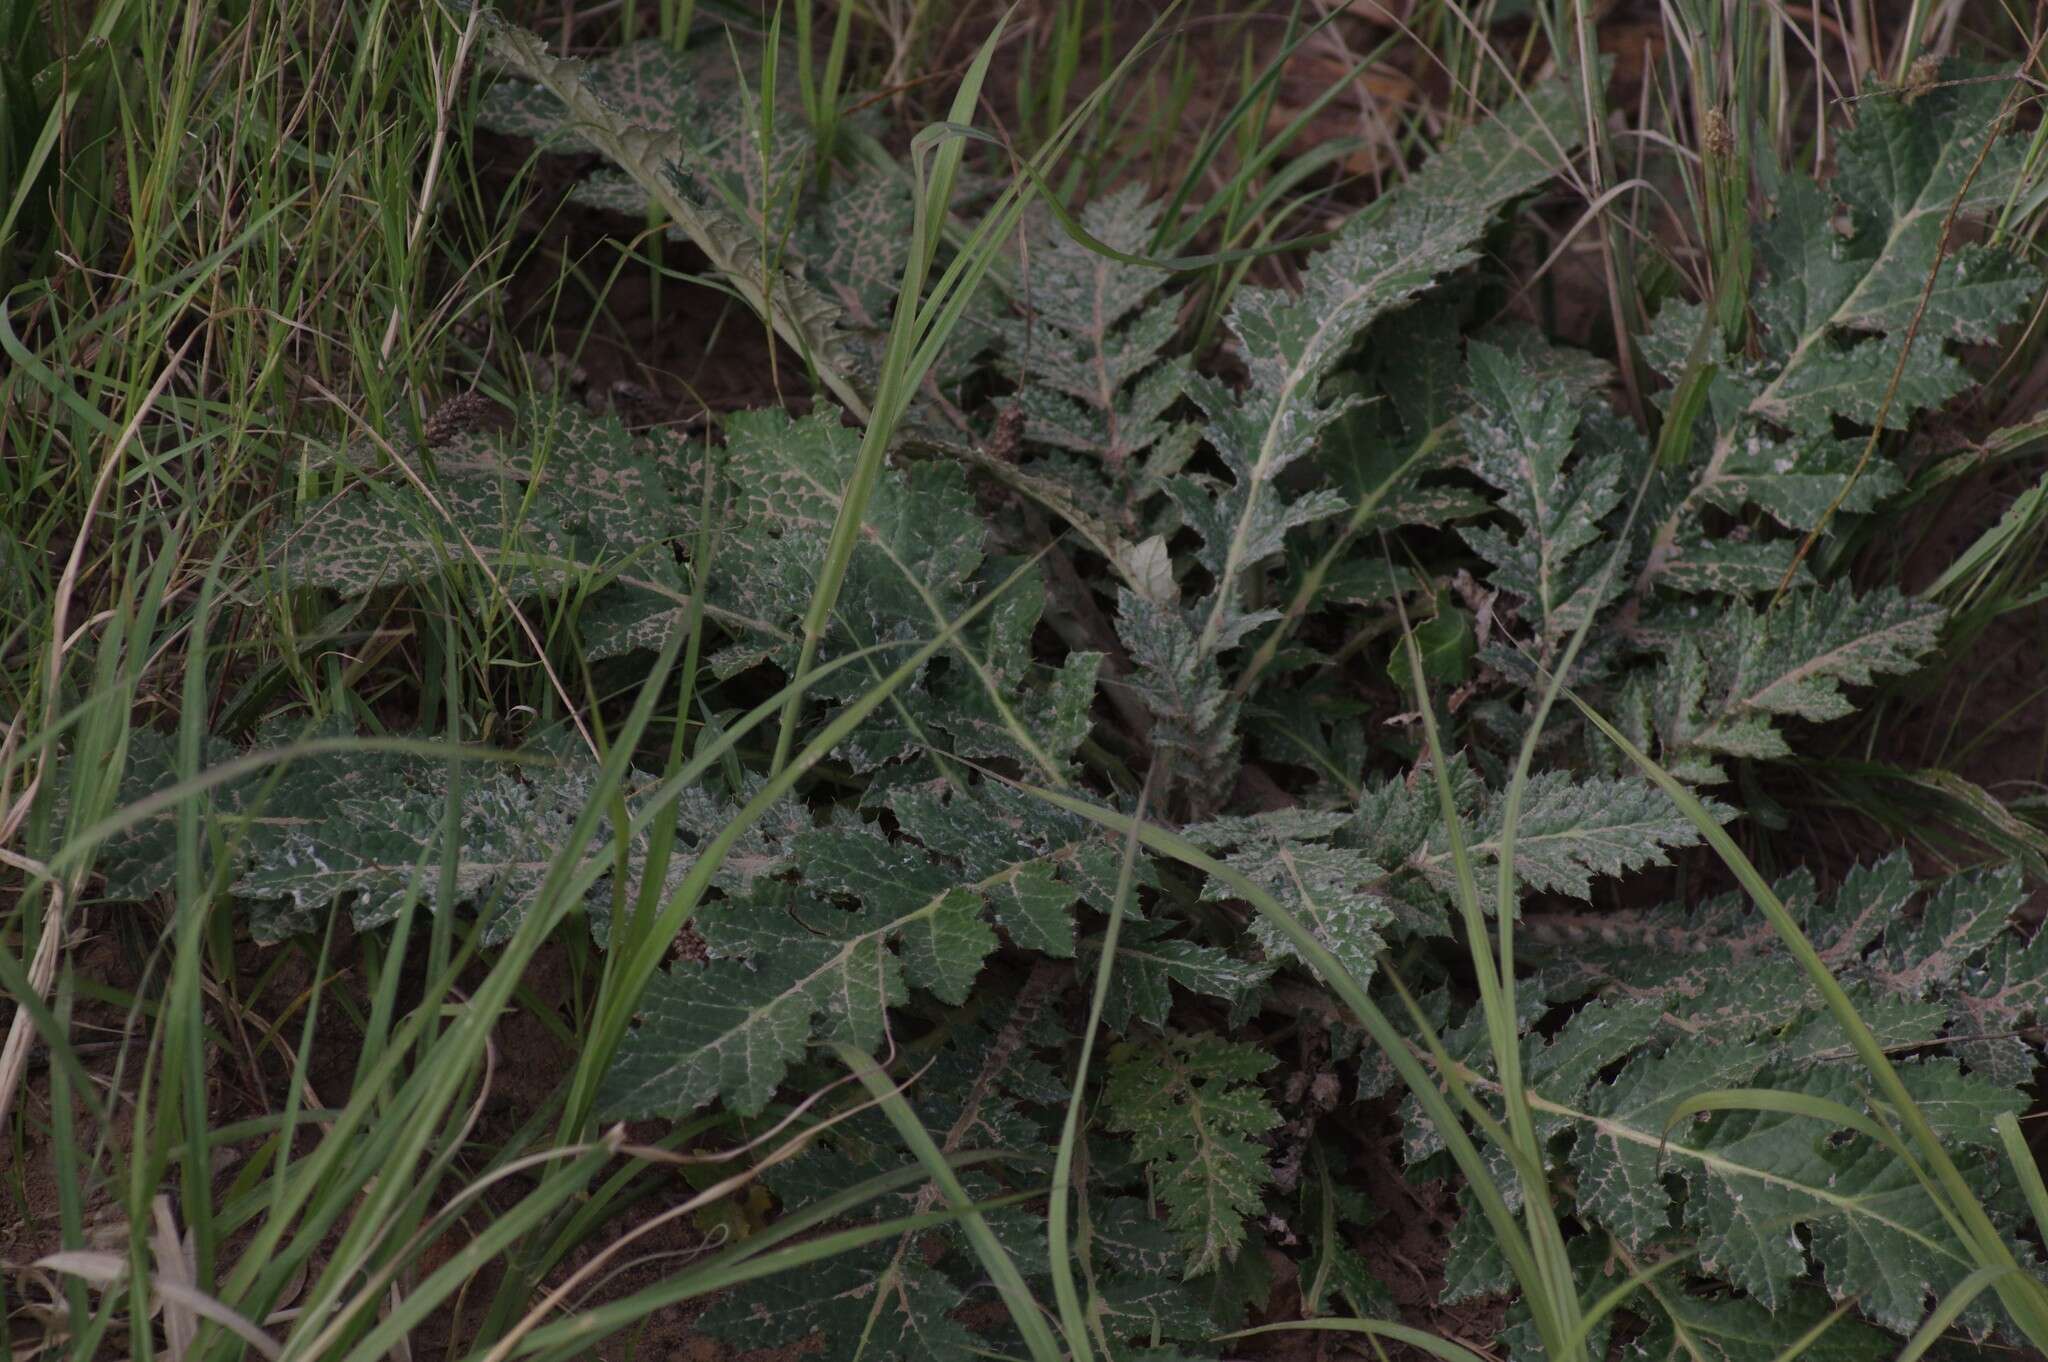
995, 1259
1373, 1328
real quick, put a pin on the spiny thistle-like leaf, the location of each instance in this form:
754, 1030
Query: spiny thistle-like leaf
909, 575
856, 241
1181, 682
379, 847
1994, 996
1719, 962
1380, 453
701, 104
848, 236
1905, 165
142, 860
1031, 862
1572, 829
666, 167
923, 902
1291, 343
1733, 1329
1332, 889
1696, 996
918, 566
369, 829
1089, 355
920, 545
1875, 1233
1519, 436
786, 960
992, 698
790, 964
1835, 313
566, 497
1148, 960
1194, 1115
1722, 688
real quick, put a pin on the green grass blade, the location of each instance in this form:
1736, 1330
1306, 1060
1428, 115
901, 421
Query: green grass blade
1374, 1329
995, 1259
2024, 1298
1073, 1318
